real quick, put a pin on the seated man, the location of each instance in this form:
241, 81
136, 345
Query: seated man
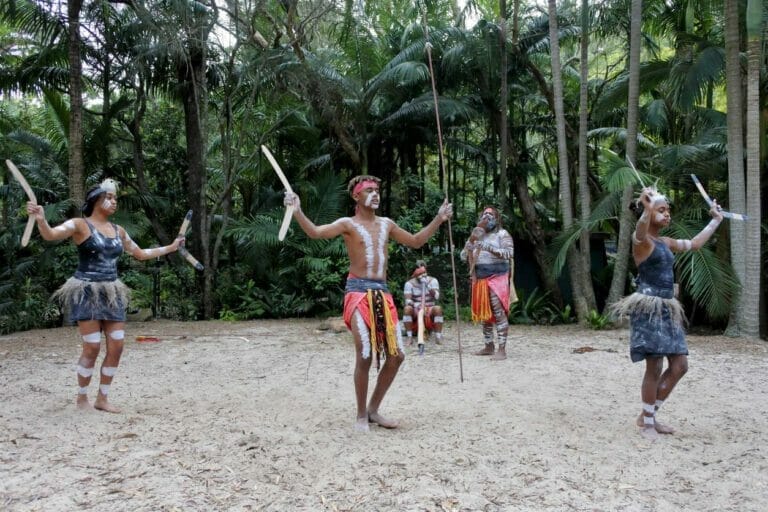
422, 291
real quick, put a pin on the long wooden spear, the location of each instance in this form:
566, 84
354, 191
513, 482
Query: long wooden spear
428, 48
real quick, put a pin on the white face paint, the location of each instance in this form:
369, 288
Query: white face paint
659, 218
372, 201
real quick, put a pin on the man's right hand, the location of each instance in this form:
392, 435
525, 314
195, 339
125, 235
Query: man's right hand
293, 200
35, 210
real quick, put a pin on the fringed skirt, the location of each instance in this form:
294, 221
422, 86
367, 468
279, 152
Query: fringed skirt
93, 300
655, 326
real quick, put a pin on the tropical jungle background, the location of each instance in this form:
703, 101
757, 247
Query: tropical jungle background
543, 108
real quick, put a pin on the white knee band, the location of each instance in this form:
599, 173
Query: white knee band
407, 318
658, 403
118, 335
438, 320
82, 391
94, 337
104, 389
108, 371
83, 371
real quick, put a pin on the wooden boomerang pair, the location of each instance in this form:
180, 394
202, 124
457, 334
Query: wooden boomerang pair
183, 250
727, 215
31, 195
288, 209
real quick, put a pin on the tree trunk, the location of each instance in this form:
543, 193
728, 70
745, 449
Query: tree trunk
626, 220
75, 150
537, 237
566, 200
584, 196
750, 313
192, 80
737, 201
503, 147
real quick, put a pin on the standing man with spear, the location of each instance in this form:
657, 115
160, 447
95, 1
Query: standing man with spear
369, 310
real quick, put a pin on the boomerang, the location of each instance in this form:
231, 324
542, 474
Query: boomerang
182, 250
636, 173
288, 209
31, 195
727, 215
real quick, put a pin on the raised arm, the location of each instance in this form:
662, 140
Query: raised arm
147, 254
400, 235
310, 228
63, 231
704, 235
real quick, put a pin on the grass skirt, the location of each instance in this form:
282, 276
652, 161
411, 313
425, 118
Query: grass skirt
93, 300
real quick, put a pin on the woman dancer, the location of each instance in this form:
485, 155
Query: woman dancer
656, 316
95, 298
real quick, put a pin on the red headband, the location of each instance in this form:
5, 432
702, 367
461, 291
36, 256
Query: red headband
363, 184
419, 271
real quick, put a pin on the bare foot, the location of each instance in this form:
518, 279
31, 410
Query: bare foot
649, 433
409, 341
500, 355
103, 405
487, 350
381, 421
83, 404
361, 425
660, 427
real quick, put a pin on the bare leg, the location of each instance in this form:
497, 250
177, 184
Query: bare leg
386, 376
362, 369
91, 334
115, 335
653, 366
488, 349
502, 327
437, 324
408, 314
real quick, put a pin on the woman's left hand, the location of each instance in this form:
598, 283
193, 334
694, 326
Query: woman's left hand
716, 211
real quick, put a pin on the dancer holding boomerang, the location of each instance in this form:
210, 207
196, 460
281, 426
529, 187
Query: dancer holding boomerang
369, 310
94, 296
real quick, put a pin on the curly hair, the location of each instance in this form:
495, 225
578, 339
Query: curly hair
357, 179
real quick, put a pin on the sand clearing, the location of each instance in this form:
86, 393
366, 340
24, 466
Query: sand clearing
259, 416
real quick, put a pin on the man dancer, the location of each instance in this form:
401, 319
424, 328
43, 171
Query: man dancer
491, 251
369, 310
422, 291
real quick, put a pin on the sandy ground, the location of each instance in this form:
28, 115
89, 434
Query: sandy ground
259, 415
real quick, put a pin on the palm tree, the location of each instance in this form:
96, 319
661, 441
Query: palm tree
750, 312
575, 266
735, 118
584, 193
626, 222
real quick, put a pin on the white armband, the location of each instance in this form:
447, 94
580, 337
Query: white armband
683, 245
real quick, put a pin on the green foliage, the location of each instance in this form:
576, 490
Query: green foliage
535, 308
596, 321
26, 307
